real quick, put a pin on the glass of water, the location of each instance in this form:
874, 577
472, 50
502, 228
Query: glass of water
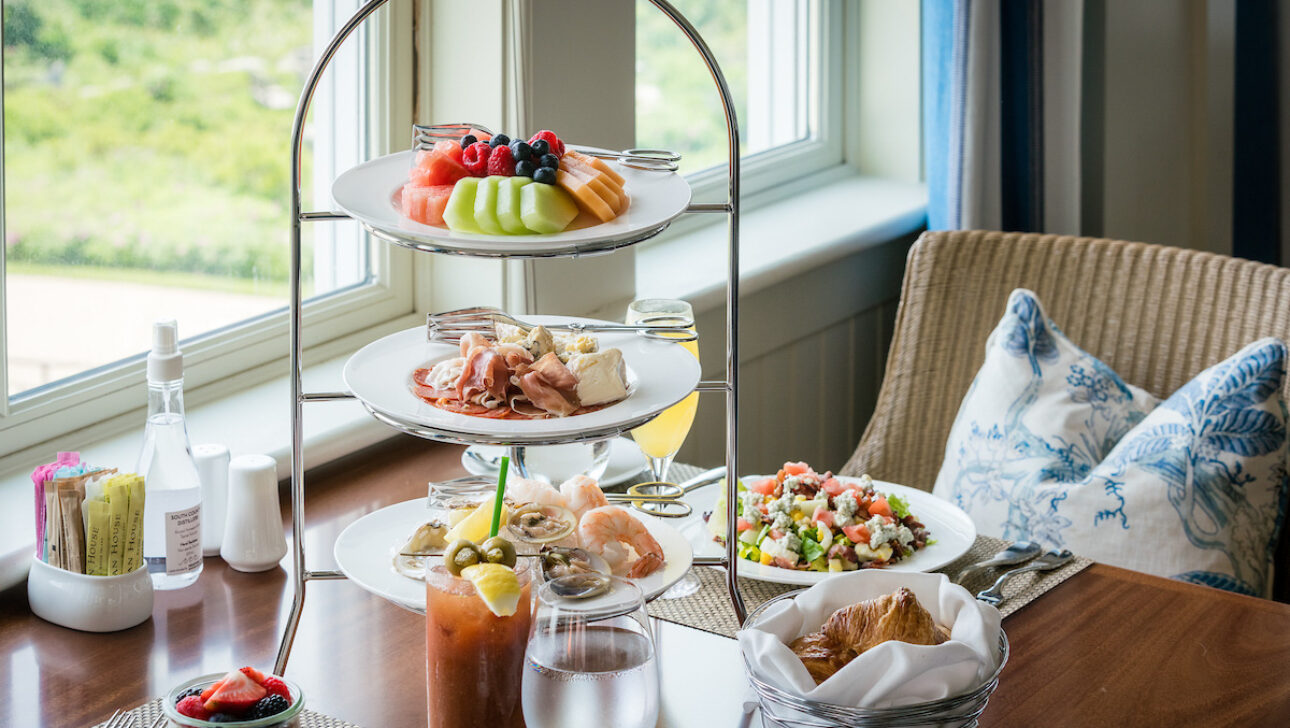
591, 656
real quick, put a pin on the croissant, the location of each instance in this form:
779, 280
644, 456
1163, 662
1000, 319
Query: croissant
851, 630
895, 616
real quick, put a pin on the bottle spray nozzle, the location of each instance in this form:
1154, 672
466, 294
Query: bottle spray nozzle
165, 361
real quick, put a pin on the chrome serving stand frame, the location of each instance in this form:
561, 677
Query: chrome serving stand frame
301, 575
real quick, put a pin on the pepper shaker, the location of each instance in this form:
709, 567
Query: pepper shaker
253, 536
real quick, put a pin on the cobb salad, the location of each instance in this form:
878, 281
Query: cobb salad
805, 521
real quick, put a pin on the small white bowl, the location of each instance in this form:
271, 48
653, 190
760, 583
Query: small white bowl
89, 603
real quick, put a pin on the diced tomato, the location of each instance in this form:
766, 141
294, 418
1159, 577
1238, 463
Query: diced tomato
743, 525
799, 468
823, 515
765, 486
889, 520
857, 533
832, 486
765, 509
775, 534
880, 507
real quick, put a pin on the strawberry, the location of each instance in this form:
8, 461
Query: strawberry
557, 146
208, 692
475, 158
501, 161
276, 687
254, 674
236, 693
192, 707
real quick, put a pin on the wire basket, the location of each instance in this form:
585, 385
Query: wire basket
782, 709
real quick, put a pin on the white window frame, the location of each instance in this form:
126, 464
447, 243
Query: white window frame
109, 399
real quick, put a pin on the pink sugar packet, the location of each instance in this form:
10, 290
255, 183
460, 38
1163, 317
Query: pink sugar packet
38, 477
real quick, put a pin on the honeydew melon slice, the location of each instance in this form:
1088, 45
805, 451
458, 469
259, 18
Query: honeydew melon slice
508, 204
460, 212
486, 206
546, 208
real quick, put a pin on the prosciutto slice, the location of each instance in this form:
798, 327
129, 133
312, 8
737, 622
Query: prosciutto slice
550, 386
484, 377
471, 340
515, 355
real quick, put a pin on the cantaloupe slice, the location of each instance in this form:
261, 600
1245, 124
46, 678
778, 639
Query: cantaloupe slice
586, 197
608, 191
598, 164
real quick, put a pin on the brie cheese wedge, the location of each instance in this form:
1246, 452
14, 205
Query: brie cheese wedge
602, 376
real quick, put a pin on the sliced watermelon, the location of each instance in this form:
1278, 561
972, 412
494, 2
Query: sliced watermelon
426, 204
450, 149
436, 168
236, 694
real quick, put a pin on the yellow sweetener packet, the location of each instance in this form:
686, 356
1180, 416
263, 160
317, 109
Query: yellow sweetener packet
118, 498
134, 525
97, 538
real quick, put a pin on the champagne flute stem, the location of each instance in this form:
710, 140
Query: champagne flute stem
658, 467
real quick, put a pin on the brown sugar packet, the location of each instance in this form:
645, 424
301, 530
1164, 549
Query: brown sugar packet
53, 526
70, 496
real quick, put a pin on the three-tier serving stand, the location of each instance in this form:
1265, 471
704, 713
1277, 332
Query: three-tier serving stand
729, 385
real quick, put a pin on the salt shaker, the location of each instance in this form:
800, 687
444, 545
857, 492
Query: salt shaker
253, 535
212, 469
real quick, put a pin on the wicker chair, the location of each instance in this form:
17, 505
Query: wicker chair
1156, 315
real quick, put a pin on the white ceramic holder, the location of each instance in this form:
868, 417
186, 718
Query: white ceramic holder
89, 603
253, 535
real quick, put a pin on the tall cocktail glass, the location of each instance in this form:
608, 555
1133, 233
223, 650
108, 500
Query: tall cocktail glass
474, 659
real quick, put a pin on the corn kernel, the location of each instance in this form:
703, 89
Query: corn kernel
765, 559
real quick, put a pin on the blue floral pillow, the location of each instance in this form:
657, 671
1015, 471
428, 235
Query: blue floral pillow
1051, 445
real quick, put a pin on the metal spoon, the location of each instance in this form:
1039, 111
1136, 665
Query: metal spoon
1018, 553
1047, 562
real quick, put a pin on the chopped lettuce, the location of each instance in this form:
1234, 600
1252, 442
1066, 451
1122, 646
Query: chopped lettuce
750, 552
811, 549
898, 506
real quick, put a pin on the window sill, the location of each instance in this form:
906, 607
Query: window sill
848, 212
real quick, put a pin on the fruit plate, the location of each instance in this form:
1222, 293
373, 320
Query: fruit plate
659, 374
365, 553
370, 193
950, 528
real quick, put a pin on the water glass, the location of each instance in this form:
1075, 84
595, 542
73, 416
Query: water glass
590, 661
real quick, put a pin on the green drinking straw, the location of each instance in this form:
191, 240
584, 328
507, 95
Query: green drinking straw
501, 491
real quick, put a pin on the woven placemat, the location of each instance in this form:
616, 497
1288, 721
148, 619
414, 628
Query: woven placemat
148, 712
709, 608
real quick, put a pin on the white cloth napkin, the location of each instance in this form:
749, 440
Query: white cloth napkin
892, 673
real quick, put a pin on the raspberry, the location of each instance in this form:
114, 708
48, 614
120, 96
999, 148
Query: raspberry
501, 161
192, 707
557, 146
276, 687
475, 158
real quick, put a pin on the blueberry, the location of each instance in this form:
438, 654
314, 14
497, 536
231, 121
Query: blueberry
550, 160
545, 175
540, 147
499, 140
521, 150
186, 693
224, 718
468, 140
525, 168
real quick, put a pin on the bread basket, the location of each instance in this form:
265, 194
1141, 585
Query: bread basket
785, 710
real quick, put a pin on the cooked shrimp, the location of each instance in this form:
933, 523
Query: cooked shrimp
603, 529
583, 494
523, 490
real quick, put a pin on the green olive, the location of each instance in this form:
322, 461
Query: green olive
499, 551
460, 554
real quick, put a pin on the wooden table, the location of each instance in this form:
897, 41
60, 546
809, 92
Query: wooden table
1107, 648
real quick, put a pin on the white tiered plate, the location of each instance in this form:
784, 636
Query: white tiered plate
365, 553
951, 529
370, 193
659, 374
626, 461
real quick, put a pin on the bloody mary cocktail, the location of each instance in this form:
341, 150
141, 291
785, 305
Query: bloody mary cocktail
474, 659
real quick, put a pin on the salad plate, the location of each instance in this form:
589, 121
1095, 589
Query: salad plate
659, 374
951, 530
370, 193
365, 553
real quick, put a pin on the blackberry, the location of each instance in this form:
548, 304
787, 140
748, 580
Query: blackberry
268, 705
186, 693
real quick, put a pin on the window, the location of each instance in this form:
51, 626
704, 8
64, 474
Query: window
777, 59
146, 175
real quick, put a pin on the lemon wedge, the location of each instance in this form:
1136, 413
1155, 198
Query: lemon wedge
475, 526
497, 585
